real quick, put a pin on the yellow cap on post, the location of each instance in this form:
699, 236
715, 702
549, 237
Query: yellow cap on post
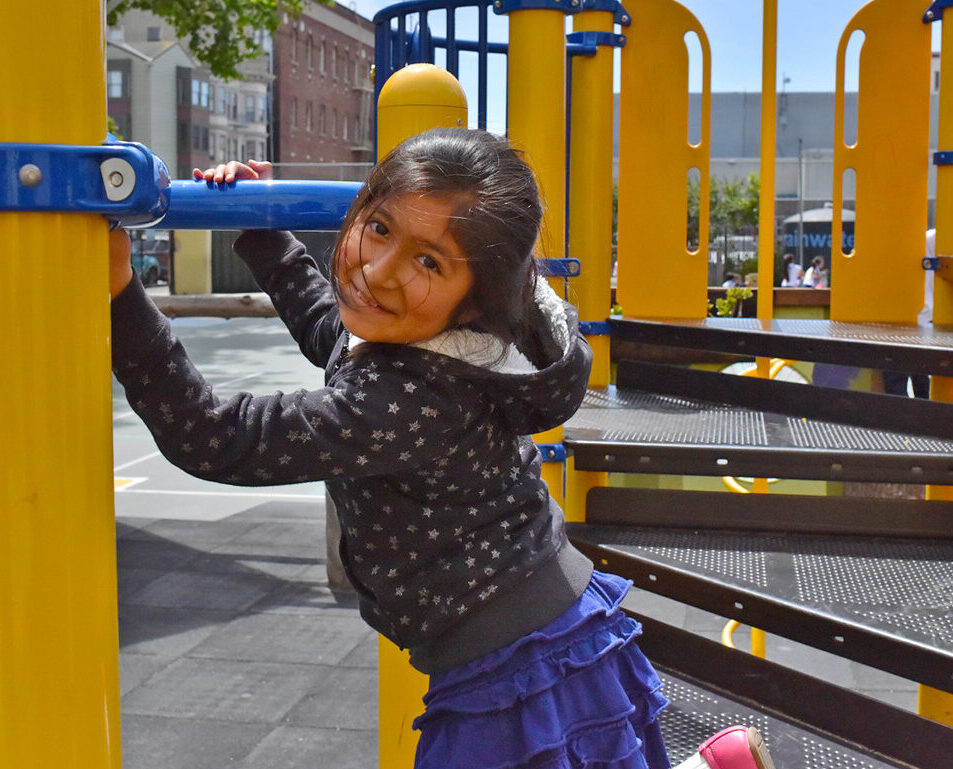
415, 99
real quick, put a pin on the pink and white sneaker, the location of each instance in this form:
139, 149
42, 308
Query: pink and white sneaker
737, 747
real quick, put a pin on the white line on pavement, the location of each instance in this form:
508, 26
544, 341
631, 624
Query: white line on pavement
220, 494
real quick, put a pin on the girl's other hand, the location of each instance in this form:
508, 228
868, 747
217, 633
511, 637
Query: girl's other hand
120, 266
226, 173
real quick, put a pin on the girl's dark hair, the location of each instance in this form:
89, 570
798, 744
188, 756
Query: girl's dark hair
495, 225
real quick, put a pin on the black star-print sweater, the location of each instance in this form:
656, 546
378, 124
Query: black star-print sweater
449, 535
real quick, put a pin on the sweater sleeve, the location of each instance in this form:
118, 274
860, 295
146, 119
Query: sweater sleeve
302, 296
375, 422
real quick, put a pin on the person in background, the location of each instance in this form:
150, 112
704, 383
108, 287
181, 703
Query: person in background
793, 272
816, 276
733, 281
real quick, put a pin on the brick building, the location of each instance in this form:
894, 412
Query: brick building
323, 97
160, 96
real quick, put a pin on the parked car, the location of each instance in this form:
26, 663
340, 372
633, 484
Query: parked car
151, 255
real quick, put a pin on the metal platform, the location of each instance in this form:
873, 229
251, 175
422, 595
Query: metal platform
917, 416
881, 601
711, 686
644, 432
881, 346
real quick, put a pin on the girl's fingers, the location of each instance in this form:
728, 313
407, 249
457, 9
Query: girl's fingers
226, 173
262, 167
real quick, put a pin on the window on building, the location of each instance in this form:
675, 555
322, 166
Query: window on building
196, 137
222, 99
211, 96
262, 114
293, 113
322, 120
321, 52
205, 138
115, 33
334, 62
347, 67
114, 84
152, 34
233, 105
334, 124
309, 52
307, 118
183, 134
294, 44
261, 150
200, 93
344, 127
249, 109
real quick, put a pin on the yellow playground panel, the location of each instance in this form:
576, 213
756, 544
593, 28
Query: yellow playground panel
58, 641
59, 676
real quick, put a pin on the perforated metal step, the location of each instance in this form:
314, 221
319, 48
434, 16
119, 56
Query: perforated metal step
884, 602
645, 432
881, 346
696, 713
807, 722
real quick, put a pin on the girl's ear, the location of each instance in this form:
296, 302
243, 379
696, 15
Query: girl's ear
467, 314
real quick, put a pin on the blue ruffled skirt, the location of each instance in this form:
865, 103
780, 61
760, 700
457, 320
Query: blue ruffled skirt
576, 694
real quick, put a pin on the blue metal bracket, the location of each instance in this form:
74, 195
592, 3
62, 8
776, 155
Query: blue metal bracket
559, 268
127, 183
935, 11
501, 7
620, 14
594, 327
121, 180
552, 452
587, 43
943, 158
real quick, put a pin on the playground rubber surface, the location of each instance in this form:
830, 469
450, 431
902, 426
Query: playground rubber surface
234, 651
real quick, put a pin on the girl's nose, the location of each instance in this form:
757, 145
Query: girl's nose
383, 270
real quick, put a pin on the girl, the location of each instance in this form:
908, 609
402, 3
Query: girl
442, 353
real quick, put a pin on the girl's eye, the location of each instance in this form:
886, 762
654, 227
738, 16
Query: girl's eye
429, 262
377, 227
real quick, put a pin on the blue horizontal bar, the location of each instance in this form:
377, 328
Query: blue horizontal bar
559, 268
258, 205
594, 327
552, 452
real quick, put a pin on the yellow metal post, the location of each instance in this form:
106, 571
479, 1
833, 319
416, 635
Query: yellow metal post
590, 185
414, 99
536, 119
590, 216
890, 162
655, 157
59, 651
769, 69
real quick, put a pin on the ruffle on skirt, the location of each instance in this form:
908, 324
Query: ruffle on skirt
576, 694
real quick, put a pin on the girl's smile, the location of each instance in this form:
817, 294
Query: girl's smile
401, 275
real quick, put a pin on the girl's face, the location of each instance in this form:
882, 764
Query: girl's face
401, 275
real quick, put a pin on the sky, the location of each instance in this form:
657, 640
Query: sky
808, 36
